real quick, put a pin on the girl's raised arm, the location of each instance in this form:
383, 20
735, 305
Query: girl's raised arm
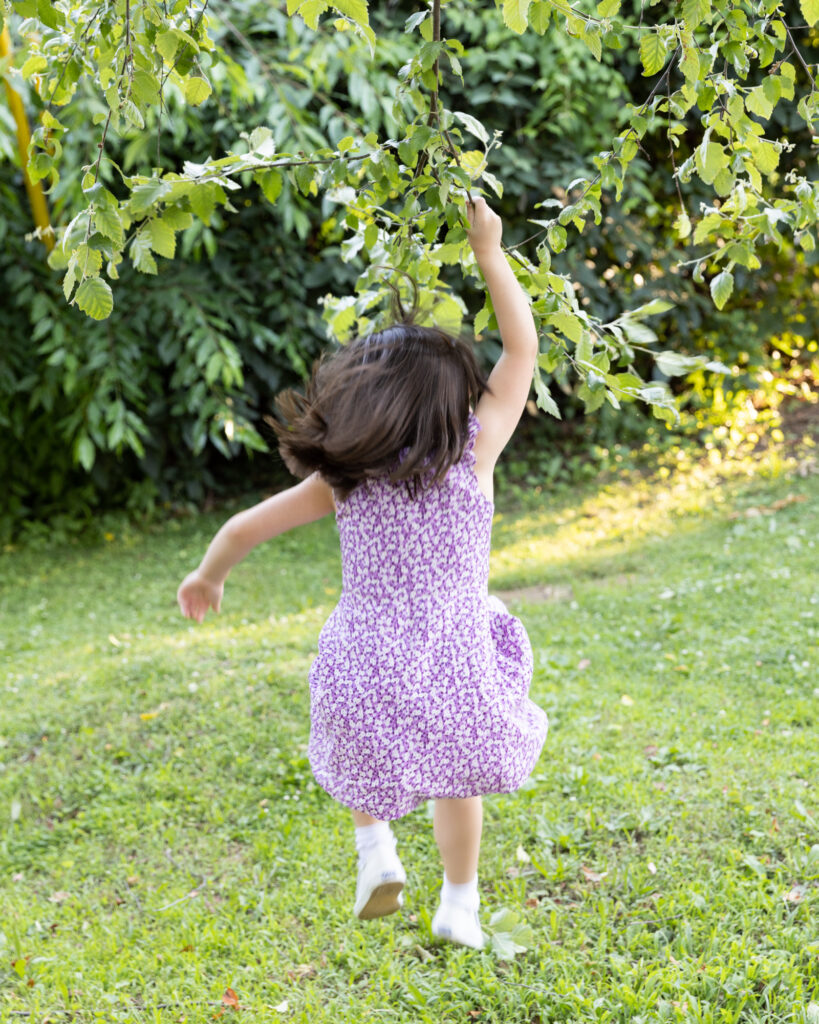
304, 503
499, 411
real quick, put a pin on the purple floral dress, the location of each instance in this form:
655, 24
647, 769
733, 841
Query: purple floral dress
420, 687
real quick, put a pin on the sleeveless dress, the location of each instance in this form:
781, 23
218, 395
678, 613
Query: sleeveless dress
420, 686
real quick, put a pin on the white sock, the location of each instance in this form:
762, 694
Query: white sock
368, 837
465, 895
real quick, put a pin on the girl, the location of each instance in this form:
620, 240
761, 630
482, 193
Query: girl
420, 687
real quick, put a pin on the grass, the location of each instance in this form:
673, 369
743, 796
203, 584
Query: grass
162, 841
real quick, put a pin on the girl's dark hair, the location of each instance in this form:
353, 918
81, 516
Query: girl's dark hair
405, 387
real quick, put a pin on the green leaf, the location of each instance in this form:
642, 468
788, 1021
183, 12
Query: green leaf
651, 308
675, 364
539, 16
608, 8
107, 222
638, 333
764, 153
271, 184
202, 200
311, 11
556, 236
141, 253
772, 87
162, 238
473, 125
70, 279
710, 158
810, 11
544, 397
592, 398
724, 182
758, 103
682, 225
145, 87
584, 350
569, 325
695, 12
167, 44
742, 253
482, 317
705, 228
515, 14
304, 175
177, 218
33, 65
131, 113
197, 91
690, 64
652, 52
145, 195
594, 41
89, 261
49, 14
85, 452
356, 10
94, 297
721, 287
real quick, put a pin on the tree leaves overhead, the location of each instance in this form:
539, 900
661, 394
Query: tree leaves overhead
400, 195
94, 297
515, 14
810, 11
721, 287
653, 52
695, 12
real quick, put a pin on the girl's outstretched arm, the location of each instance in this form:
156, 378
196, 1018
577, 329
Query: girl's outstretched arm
510, 380
304, 503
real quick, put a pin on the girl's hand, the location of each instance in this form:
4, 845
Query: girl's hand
485, 227
196, 594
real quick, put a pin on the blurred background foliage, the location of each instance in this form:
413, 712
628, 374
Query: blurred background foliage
164, 405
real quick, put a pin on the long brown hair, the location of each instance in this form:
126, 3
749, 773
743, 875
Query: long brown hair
406, 389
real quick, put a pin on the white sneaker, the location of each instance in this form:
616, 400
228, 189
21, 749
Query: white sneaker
458, 924
380, 880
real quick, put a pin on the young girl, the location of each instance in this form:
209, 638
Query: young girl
420, 687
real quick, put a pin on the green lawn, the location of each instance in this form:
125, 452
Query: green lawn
162, 841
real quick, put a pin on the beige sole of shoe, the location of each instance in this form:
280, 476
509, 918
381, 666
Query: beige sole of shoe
382, 901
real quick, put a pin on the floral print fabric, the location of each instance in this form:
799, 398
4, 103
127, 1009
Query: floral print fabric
420, 686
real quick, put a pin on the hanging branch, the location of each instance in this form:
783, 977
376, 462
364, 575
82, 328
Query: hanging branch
436, 38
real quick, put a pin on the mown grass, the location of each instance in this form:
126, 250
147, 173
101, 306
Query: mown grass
162, 840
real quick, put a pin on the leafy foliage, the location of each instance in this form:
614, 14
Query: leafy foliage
376, 154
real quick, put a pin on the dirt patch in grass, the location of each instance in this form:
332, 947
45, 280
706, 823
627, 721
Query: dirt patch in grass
538, 594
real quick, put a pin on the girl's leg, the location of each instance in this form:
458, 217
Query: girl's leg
361, 818
457, 828
381, 876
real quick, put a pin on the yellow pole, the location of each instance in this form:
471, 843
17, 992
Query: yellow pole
36, 196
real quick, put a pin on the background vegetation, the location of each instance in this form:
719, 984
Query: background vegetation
165, 401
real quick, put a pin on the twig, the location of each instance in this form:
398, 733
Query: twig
578, 14
194, 26
671, 149
75, 47
801, 58
436, 38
